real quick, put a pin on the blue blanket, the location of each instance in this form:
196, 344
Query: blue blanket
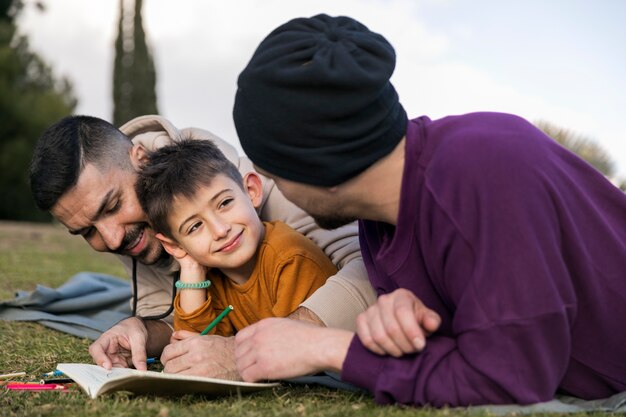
85, 306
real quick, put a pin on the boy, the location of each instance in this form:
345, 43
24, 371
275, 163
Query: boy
204, 214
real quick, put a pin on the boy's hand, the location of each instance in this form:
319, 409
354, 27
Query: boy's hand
397, 324
191, 270
179, 335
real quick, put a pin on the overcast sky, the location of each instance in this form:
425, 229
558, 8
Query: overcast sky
561, 60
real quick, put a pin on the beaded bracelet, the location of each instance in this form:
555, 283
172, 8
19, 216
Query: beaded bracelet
192, 285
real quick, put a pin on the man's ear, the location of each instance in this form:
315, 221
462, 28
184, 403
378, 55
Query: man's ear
138, 156
171, 246
253, 186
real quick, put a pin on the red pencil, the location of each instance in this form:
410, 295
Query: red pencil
18, 386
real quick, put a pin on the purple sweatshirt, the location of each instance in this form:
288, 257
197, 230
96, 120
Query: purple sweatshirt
520, 246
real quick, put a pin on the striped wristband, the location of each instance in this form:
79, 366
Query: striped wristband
192, 285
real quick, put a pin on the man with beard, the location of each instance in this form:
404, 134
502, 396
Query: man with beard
84, 170
517, 243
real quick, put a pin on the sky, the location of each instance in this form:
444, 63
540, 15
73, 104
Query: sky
561, 60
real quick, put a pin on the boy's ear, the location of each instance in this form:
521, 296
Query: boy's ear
171, 246
138, 156
254, 187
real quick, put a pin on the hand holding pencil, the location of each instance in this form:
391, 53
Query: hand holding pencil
209, 356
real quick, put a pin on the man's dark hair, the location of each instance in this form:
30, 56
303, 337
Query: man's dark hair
63, 150
179, 170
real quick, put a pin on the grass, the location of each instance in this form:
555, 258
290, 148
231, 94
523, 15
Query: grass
33, 254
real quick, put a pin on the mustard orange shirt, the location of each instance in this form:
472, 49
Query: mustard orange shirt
289, 268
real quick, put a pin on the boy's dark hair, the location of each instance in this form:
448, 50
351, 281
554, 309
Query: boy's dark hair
179, 170
63, 149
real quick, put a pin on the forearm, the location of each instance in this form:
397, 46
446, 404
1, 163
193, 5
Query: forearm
193, 308
192, 299
159, 334
192, 273
332, 346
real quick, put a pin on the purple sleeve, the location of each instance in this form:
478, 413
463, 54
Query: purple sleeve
497, 365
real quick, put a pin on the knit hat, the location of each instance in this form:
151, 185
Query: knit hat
314, 105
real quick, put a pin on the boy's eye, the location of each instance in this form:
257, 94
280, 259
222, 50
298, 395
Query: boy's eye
194, 227
225, 203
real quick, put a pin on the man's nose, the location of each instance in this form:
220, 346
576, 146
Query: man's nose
112, 235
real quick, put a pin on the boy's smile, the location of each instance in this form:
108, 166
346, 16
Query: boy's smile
232, 245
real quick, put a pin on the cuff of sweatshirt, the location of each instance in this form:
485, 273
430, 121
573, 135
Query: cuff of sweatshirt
334, 304
362, 367
195, 320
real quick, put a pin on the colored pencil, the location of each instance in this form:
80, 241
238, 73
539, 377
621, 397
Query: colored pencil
217, 320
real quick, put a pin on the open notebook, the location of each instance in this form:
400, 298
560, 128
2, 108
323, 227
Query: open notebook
95, 381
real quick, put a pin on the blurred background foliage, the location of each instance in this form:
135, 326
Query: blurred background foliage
32, 98
584, 146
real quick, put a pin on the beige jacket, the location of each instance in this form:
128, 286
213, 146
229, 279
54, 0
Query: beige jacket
337, 303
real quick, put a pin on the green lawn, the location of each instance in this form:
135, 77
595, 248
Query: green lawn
47, 254
33, 254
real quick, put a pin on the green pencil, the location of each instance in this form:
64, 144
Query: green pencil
217, 320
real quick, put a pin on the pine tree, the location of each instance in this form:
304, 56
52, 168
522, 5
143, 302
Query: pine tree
134, 75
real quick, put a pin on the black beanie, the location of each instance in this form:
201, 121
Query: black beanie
314, 105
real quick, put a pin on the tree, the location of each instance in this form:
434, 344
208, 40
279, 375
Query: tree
31, 99
134, 75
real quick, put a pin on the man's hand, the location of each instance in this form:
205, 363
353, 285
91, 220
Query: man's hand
397, 324
192, 354
211, 356
281, 348
122, 345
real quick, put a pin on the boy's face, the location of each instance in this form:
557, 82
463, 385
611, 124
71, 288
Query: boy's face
219, 227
